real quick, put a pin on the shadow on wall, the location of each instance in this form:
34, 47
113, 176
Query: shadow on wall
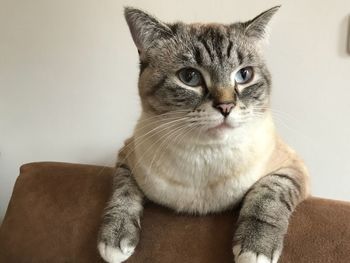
344, 37
349, 35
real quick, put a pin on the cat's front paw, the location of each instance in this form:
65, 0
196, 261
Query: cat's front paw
258, 241
242, 256
115, 254
118, 239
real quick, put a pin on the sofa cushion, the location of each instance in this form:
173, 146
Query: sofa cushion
55, 212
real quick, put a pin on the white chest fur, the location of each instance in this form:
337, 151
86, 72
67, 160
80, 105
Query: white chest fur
202, 178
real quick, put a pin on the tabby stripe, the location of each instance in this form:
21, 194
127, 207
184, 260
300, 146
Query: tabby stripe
285, 202
217, 44
122, 165
292, 195
268, 188
207, 48
256, 219
279, 185
292, 180
229, 48
157, 86
107, 219
239, 57
111, 209
136, 223
180, 100
261, 221
254, 91
143, 66
198, 56
219, 52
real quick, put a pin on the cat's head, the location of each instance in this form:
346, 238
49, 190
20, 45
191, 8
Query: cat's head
212, 76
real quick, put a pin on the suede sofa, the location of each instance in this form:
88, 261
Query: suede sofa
55, 212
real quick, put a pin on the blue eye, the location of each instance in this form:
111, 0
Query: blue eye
190, 76
244, 75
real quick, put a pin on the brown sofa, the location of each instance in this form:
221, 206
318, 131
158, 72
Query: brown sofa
55, 212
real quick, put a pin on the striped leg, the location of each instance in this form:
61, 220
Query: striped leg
264, 217
119, 233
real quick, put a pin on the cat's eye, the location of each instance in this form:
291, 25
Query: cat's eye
191, 77
244, 75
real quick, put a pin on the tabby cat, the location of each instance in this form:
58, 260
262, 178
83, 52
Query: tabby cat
205, 141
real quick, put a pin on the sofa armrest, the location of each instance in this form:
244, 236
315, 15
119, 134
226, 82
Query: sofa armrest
55, 212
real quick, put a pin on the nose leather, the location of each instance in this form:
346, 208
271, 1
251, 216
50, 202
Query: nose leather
225, 108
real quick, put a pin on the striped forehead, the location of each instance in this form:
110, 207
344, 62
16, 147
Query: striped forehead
214, 43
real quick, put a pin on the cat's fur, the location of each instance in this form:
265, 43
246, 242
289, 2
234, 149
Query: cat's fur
179, 157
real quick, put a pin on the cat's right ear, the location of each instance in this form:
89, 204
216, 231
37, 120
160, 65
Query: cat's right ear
144, 28
257, 27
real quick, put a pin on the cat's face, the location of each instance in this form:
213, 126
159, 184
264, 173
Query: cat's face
212, 76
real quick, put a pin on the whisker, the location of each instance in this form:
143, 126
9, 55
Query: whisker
143, 138
160, 126
169, 137
154, 143
164, 116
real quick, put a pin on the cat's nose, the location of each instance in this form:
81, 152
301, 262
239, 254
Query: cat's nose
225, 108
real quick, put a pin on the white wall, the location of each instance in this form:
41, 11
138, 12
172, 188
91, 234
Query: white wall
68, 72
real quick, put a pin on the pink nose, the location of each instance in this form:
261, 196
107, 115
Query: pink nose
225, 108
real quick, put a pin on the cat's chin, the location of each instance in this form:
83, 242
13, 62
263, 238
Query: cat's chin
221, 127
220, 131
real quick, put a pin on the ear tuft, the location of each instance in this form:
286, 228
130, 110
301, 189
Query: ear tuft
144, 28
257, 27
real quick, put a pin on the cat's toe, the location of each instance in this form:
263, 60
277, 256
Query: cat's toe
253, 257
115, 254
126, 246
118, 239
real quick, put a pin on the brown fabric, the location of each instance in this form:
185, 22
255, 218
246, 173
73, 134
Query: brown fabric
55, 211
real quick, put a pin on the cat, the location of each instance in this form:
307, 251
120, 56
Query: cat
205, 141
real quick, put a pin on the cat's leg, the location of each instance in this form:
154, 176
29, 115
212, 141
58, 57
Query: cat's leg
120, 230
264, 216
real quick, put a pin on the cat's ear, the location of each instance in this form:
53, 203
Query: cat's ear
258, 27
144, 28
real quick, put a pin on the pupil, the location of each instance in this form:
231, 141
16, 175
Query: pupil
244, 73
189, 75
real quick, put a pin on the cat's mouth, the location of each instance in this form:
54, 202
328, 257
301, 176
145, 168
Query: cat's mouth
223, 126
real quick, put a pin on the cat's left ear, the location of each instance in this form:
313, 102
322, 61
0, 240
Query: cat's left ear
257, 27
144, 28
